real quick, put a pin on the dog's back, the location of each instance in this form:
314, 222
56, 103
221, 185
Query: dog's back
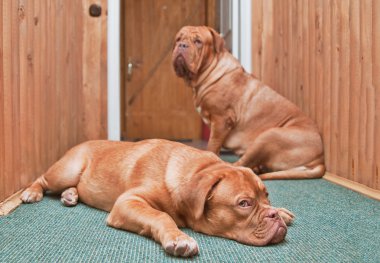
103, 170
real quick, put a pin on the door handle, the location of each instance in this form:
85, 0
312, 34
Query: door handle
132, 64
129, 70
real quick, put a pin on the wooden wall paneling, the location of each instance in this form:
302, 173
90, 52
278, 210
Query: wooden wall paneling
50, 87
286, 46
287, 35
312, 54
27, 91
257, 32
21, 102
336, 80
344, 95
61, 76
212, 14
274, 52
70, 61
39, 80
42, 103
37, 52
267, 46
292, 66
15, 124
299, 50
77, 99
376, 84
279, 21
7, 62
68, 103
55, 119
45, 82
335, 53
24, 87
91, 77
284, 69
103, 72
289, 48
327, 80
33, 77
305, 59
2, 153
355, 82
366, 95
319, 65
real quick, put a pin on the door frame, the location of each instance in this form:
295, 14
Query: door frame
242, 43
241, 48
113, 71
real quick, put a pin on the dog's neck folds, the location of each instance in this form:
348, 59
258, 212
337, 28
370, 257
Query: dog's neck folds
222, 64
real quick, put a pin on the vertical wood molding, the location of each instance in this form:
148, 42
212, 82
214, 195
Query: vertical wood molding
376, 84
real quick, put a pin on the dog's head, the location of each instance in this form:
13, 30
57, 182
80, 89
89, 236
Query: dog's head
232, 202
194, 49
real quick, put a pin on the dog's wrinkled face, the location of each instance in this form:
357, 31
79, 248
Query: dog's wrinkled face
194, 49
236, 206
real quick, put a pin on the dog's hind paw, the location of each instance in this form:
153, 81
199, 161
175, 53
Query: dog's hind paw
70, 197
183, 246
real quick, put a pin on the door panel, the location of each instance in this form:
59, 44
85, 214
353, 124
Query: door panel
157, 104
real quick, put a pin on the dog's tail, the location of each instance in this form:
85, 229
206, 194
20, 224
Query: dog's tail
301, 172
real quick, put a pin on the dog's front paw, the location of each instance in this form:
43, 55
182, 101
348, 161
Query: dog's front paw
286, 215
31, 195
183, 246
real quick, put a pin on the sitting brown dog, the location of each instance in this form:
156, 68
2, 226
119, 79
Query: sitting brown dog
153, 187
269, 133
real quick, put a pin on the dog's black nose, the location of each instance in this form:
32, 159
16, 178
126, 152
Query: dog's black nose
183, 45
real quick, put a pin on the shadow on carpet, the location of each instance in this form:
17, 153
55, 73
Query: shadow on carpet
332, 224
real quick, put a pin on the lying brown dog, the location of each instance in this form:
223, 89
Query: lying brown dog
153, 187
268, 132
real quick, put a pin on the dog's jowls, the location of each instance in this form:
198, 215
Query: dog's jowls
153, 187
269, 133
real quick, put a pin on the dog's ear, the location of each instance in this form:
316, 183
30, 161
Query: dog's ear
218, 41
200, 189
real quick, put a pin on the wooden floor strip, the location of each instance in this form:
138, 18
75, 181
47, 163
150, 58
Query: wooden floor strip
354, 186
10, 204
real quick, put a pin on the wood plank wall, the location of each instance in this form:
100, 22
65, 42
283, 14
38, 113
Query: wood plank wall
52, 84
324, 55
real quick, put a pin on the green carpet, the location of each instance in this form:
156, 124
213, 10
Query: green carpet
333, 224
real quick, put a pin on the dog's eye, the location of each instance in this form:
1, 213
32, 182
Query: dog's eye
245, 203
197, 42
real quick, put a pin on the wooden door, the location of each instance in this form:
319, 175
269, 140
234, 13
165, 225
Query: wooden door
156, 103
